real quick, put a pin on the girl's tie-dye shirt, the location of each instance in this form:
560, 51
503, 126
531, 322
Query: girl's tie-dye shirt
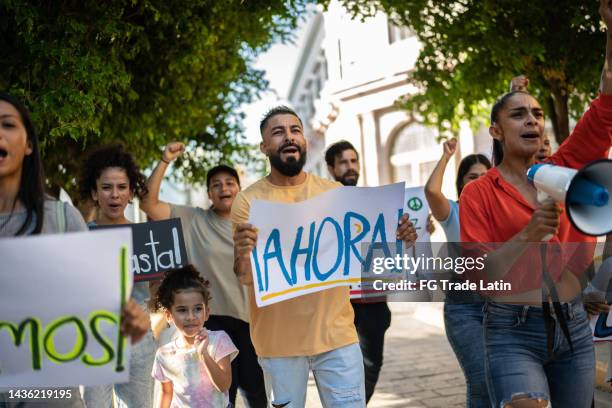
185, 369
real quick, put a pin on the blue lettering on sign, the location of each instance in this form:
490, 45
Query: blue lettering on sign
315, 265
302, 251
349, 244
274, 239
382, 244
399, 244
346, 248
379, 231
258, 271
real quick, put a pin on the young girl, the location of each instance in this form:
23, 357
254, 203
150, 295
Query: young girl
195, 367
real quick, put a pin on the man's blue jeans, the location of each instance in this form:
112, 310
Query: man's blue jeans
338, 374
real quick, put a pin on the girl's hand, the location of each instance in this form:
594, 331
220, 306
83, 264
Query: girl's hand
544, 221
450, 147
173, 150
135, 322
201, 342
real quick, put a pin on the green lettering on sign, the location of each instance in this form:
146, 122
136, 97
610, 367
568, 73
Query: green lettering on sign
17, 333
79, 344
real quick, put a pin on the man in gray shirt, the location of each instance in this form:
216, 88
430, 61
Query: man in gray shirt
210, 248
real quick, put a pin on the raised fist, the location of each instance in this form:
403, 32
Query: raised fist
173, 150
450, 147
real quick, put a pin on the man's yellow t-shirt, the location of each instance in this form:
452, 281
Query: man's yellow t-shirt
305, 325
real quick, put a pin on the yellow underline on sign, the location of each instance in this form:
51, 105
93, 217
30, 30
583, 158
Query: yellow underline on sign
310, 286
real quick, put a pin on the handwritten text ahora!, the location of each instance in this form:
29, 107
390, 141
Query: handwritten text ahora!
346, 247
42, 339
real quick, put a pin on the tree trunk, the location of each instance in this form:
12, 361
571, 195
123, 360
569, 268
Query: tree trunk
558, 111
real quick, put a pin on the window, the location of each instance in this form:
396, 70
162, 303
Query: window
397, 33
414, 137
425, 170
414, 154
403, 173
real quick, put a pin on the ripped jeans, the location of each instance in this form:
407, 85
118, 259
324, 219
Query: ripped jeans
338, 374
517, 360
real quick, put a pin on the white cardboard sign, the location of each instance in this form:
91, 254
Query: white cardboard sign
317, 244
60, 302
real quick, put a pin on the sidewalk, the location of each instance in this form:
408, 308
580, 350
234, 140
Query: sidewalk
420, 369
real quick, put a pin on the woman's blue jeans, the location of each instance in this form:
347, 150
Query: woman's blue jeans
464, 330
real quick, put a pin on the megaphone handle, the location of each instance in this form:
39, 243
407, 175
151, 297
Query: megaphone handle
542, 198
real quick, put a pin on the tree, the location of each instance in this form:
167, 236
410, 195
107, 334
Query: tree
142, 72
472, 48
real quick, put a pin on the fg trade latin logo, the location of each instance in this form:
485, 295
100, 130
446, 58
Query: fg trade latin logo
415, 203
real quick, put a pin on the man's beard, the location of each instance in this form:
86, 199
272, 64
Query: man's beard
291, 167
346, 181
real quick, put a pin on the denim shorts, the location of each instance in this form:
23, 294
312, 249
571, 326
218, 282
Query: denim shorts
518, 362
338, 374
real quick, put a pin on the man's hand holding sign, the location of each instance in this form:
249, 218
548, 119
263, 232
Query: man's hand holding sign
245, 239
406, 231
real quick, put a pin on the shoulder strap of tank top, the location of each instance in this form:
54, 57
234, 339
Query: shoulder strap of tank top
60, 212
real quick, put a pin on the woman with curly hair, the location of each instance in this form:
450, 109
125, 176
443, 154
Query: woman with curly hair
112, 179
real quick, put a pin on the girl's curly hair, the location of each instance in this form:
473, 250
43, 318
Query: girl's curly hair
111, 156
176, 280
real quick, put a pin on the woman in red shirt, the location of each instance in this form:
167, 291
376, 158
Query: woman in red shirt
536, 352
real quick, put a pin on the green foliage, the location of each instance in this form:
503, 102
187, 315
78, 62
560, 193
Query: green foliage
142, 72
472, 48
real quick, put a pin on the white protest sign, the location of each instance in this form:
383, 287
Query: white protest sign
317, 244
60, 302
601, 326
416, 206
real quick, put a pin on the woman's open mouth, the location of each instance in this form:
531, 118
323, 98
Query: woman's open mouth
533, 135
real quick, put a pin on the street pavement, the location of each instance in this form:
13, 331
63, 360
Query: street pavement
420, 369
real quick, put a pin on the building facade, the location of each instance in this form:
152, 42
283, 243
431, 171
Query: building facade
347, 82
